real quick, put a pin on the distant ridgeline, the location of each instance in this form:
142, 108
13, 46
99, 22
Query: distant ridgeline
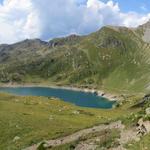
114, 58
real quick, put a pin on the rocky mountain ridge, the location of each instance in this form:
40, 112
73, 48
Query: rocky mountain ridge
113, 58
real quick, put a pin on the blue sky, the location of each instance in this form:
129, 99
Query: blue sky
47, 19
141, 6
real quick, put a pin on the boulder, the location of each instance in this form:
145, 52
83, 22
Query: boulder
146, 124
143, 126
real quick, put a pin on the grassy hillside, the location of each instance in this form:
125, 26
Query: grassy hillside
143, 144
28, 120
113, 58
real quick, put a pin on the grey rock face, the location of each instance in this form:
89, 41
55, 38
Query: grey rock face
146, 36
146, 31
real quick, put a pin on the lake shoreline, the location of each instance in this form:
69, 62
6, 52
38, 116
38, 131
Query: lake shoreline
101, 93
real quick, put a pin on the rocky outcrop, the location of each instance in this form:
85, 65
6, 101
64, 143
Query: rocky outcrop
146, 31
112, 42
143, 101
143, 127
61, 41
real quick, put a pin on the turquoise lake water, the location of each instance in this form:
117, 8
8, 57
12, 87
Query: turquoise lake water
78, 98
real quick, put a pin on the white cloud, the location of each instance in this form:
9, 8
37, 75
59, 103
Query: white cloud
20, 19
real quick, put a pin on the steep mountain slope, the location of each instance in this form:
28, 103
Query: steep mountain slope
113, 58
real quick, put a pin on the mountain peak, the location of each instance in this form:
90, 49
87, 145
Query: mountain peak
146, 25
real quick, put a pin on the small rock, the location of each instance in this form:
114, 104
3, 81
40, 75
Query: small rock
17, 126
45, 145
135, 115
97, 140
147, 111
16, 100
16, 138
103, 94
140, 122
76, 112
120, 103
51, 117
137, 139
132, 119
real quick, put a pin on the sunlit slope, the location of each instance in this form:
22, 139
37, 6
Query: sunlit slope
113, 58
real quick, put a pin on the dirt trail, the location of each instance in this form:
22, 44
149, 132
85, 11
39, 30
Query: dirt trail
126, 135
77, 135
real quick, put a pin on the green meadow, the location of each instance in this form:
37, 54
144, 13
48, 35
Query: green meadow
25, 121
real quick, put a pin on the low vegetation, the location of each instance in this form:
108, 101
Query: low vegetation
28, 120
143, 144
